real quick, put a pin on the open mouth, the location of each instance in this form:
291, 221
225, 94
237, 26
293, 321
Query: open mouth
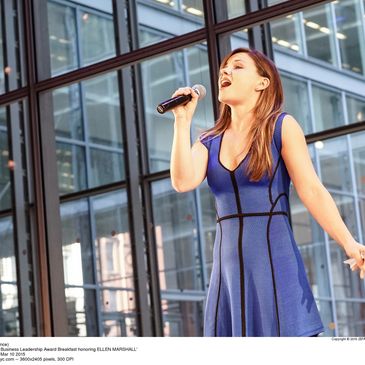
225, 83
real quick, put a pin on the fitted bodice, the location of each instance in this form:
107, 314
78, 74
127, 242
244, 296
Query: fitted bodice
264, 195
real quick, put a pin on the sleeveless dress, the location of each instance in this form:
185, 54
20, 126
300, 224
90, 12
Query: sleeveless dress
258, 284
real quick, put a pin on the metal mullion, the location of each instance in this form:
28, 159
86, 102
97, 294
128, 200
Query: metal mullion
259, 35
142, 274
212, 52
146, 195
95, 274
45, 173
334, 37
328, 253
20, 234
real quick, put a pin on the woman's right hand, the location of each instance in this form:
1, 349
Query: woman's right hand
185, 112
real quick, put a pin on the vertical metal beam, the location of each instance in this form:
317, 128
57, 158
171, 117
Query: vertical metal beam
135, 211
17, 174
45, 172
213, 52
260, 36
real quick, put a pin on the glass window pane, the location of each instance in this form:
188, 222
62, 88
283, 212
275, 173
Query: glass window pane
355, 109
102, 110
88, 132
328, 110
182, 318
350, 318
12, 50
334, 162
5, 185
350, 35
97, 253
310, 239
106, 167
81, 311
171, 18
67, 119
71, 168
176, 238
296, 101
164, 75
285, 34
9, 314
119, 313
80, 33
96, 35
319, 41
358, 150
62, 38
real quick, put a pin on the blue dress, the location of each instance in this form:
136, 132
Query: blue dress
258, 284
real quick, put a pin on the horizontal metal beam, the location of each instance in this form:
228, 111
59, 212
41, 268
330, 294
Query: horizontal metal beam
166, 46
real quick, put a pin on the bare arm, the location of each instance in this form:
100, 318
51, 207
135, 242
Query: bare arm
311, 191
187, 164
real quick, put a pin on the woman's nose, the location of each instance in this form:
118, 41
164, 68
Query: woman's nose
227, 70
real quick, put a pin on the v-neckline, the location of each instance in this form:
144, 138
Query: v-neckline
219, 156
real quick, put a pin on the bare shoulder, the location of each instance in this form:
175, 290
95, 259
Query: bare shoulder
291, 126
296, 156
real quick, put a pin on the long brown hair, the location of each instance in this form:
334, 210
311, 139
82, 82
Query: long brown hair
267, 109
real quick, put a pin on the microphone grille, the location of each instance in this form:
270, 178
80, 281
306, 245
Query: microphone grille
200, 90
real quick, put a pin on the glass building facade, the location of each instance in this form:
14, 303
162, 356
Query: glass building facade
94, 241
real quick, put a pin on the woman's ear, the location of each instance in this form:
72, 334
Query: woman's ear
263, 84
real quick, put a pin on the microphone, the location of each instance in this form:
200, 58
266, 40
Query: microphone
181, 99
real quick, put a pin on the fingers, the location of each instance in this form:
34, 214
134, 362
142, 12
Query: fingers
185, 91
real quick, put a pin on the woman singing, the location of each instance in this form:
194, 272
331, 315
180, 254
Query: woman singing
258, 285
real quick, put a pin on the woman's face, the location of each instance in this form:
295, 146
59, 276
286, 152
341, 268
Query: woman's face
238, 80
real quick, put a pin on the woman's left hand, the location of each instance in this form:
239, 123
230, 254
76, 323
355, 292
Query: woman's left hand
353, 250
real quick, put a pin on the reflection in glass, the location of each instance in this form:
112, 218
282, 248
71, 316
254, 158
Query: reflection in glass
350, 318
88, 130
164, 75
182, 318
170, 17
71, 168
106, 167
97, 36
358, 150
328, 110
97, 253
296, 101
235, 8
286, 33
9, 316
76, 243
67, 116
5, 185
350, 35
102, 110
81, 311
119, 313
334, 161
310, 239
177, 240
114, 261
62, 38
77, 41
318, 33
355, 109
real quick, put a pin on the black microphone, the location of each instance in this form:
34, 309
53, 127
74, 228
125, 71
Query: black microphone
181, 99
